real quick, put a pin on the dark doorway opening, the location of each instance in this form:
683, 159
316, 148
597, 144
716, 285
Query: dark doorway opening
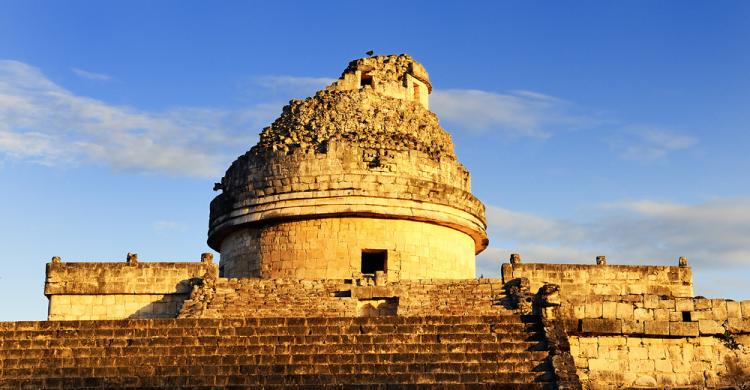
365, 80
374, 260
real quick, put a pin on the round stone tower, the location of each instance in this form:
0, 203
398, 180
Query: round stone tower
357, 179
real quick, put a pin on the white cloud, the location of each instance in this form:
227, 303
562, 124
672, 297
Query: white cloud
44, 123
517, 113
711, 234
91, 75
647, 142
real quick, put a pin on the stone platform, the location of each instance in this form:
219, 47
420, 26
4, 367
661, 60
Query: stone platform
502, 351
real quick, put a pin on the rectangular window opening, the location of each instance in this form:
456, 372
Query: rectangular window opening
366, 79
374, 260
416, 91
686, 316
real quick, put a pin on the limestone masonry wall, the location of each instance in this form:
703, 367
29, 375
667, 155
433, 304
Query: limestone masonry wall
627, 361
593, 280
88, 291
639, 326
332, 248
339, 298
647, 340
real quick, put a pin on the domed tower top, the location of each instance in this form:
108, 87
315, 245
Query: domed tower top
360, 169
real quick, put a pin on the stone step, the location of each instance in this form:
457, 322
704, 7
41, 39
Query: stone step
303, 343
197, 367
227, 358
511, 329
405, 338
55, 383
165, 346
333, 351
267, 321
191, 378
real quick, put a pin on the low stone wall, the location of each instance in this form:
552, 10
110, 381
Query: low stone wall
94, 291
339, 298
592, 280
638, 326
628, 360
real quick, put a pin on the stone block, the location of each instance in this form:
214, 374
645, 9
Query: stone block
594, 310
640, 353
661, 314
632, 327
733, 310
702, 304
650, 301
641, 365
719, 309
602, 364
601, 326
683, 329
660, 328
684, 304
641, 314
609, 310
624, 311
745, 307
710, 327
735, 325
668, 304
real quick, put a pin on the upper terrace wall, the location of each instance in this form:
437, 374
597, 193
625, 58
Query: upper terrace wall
251, 297
582, 279
91, 291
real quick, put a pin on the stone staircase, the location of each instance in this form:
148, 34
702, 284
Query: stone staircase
502, 351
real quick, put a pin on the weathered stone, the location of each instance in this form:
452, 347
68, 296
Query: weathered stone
657, 328
683, 328
710, 327
601, 326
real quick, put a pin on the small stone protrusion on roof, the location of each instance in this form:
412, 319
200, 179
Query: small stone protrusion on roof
601, 260
132, 258
207, 258
683, 261
56, 260
515, 258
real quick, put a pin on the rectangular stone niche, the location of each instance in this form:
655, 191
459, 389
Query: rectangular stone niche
377, 307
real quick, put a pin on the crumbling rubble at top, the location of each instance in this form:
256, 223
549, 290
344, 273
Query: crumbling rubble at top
379, 102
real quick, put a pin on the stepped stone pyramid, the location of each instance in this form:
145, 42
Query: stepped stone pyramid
348, 237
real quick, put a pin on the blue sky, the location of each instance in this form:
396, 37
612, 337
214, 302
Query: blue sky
615, 128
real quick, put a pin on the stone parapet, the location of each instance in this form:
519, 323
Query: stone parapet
595, 280
87, 291
122, 278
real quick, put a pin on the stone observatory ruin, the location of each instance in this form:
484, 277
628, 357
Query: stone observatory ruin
347, 240
358, 178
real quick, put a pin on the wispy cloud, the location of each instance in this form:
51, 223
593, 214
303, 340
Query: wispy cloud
517, 113
43, 122
648, 142
711, 234
91, 75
